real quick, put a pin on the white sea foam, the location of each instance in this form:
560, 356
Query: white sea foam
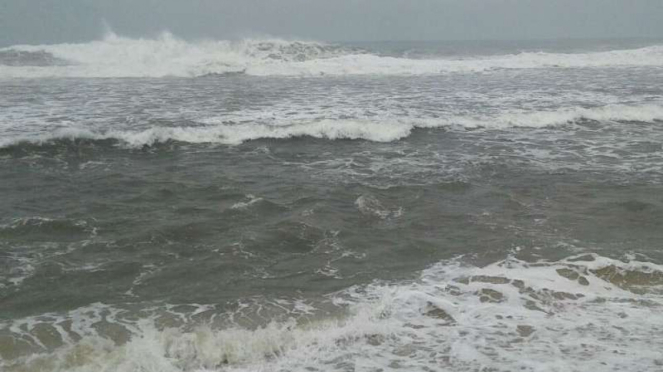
232, 134
377, 129
370, 206
578, 314
167, 55
246, 204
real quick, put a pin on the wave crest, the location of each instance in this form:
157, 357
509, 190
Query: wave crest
11, 57
387, 129
116, 56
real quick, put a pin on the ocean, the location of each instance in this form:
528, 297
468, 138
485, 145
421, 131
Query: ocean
283, 205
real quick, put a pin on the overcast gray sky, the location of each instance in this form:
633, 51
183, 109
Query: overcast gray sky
50, 21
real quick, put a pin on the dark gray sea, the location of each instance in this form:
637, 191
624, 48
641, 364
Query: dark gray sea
273, 205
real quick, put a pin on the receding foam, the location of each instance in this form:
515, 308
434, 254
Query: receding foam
581, 313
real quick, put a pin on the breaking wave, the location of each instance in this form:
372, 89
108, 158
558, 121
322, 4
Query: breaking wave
116, 56
388, 129
581, 313
17, 57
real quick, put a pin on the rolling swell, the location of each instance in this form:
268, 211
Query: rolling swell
57, 145
217, 130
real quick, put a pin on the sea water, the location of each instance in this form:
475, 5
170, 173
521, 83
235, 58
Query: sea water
283, 205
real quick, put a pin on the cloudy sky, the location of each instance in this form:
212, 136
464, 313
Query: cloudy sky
50, 21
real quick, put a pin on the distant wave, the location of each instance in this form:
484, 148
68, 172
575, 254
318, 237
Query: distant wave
167, 55
217, 130
18, 57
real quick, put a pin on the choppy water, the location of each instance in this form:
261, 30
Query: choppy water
295, 206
